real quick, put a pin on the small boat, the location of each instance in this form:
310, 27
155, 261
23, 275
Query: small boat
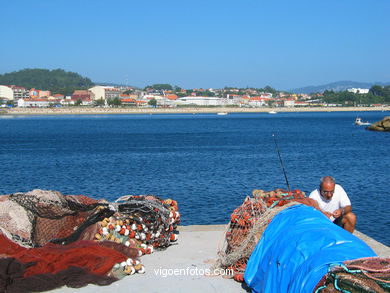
359, 122
222, 113
272, 112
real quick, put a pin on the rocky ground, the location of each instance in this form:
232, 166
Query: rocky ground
383, 125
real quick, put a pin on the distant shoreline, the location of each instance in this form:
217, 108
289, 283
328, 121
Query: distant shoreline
195, 110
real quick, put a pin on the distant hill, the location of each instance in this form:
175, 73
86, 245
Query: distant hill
337, 86
56, 81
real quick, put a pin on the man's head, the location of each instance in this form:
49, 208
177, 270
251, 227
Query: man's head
327, 186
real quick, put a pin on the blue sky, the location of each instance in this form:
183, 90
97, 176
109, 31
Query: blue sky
203, 43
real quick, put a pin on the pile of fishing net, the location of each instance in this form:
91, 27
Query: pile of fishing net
370, 274
248, 223
48, 240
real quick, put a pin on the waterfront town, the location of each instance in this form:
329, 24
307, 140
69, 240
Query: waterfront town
164, 96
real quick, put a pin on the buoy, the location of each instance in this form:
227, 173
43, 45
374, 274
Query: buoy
173, 237
129, 270
141, 270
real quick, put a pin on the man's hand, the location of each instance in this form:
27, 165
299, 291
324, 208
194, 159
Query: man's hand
337, 213
327, 214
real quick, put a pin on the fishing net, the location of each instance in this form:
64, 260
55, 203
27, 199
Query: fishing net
75, 240
248, 223
142, 221
360, 275
37, 217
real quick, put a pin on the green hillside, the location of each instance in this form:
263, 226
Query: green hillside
56, 81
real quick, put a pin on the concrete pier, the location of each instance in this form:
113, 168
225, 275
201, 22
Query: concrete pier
182, 267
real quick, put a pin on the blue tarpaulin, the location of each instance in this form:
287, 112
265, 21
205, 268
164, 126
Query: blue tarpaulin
296, 249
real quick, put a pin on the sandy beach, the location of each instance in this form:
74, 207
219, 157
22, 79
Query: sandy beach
195, 110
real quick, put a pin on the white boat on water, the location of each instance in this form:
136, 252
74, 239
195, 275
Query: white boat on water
359, 122
272, 112
222, 113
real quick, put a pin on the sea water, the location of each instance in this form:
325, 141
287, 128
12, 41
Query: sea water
207, 162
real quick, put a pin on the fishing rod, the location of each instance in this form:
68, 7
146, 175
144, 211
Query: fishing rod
281, 162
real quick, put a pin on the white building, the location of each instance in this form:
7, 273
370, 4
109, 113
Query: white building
200, 101
289, 103
6, 92
358, 91
105, 92
32, 103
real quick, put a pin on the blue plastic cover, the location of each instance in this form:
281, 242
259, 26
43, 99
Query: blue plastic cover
296, 250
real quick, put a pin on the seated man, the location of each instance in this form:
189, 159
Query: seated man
334, 203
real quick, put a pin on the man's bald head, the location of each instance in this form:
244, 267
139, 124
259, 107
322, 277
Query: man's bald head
327, 187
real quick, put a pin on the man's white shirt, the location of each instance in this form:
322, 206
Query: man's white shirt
339, 199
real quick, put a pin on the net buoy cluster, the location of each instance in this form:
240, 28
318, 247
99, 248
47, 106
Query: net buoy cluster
144, 222
129, 267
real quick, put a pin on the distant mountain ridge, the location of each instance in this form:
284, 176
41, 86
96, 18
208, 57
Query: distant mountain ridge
337, 86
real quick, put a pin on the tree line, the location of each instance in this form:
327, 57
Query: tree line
58, 81
376, 95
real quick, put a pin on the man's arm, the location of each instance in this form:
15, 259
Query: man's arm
315, 204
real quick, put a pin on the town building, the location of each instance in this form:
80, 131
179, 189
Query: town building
6, 93
289, 102
43, 94
200, 101
105, 92
128, 102
81, 95
33, 103
19, 92
232, 99
358, 91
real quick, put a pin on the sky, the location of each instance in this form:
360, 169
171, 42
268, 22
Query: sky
200, 44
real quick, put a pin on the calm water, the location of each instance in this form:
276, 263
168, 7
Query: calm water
208, 163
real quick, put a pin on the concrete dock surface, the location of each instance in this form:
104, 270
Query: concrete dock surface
182, 266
